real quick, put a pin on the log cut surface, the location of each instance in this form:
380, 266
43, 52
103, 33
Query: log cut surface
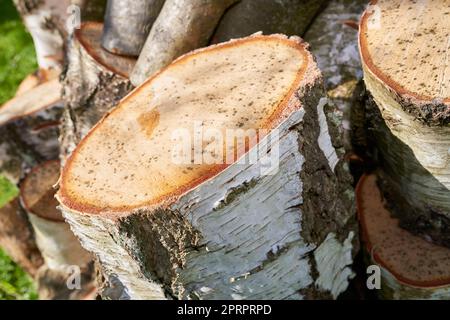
400, 42
412, 260
34, 100
130, 158
37, 191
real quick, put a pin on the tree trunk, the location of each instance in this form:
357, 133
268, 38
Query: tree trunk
411, 267
182, 26
127, 25
243, 233
410, 116
289, 17
94, 82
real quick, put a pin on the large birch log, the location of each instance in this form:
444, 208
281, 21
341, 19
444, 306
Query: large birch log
182, 26
171, 224
127, 25
405, 47
411, 267
61, 250
290, 17
94, 82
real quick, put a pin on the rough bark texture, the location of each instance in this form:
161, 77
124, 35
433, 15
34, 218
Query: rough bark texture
335, 45
17, 238
290, 17
127, 25
182, 26
407, 114
93, 83
46, 22
243, 234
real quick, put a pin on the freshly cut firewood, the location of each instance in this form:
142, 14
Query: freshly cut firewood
103, 83
171, 224
127, 25
59, 247
411, 267
17, 237
246, 17
405, 51
30, 123
182, 26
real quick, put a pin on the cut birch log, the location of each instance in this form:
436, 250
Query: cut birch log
61, 250
95, 80
168, 223
127, 25
46, 22
290, 17
30, 123
59, 247
405, 49
17, 238
182, 26
411, 267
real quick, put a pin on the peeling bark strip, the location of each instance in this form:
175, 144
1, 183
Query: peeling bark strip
215, 231
290, 17
411, 267
410, 117
46, 22
103, 83
128, 23
182, 26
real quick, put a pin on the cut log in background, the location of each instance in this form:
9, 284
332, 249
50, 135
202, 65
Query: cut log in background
411, 267
409, 115
59, 247
246, 17
174, 236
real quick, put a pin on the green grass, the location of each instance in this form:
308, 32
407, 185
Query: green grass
17, 57
8, 191
17, 60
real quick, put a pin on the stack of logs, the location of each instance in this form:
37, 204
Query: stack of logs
157, 229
